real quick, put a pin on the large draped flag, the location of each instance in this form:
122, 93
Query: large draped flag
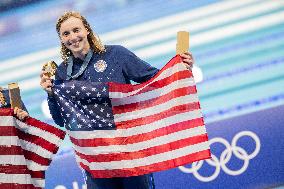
121, 130
26, 150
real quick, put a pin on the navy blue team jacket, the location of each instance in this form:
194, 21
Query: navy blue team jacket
122, 66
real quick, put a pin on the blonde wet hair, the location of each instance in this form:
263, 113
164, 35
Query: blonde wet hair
93, 39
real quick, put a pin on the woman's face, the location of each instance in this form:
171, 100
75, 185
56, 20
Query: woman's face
73, 35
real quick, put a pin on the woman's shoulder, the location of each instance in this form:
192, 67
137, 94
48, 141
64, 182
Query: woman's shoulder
116, 48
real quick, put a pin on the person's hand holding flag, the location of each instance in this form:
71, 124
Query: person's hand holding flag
21, 114
187, 59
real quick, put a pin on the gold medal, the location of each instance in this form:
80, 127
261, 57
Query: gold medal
50, 68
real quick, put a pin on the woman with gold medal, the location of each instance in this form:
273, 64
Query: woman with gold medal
85, 58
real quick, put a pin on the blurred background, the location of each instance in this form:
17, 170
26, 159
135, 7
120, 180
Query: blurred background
238, 48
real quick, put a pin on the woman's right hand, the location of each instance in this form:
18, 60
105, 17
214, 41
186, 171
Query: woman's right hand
46, 83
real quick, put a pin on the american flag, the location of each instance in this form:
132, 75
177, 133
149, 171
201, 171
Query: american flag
121, 130
26, 150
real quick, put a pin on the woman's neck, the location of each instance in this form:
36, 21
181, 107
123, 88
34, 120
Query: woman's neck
82, 54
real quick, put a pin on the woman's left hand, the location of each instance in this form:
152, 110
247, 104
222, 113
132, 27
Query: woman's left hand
21, 114
187, 59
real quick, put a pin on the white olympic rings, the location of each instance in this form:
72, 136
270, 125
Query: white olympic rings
225, 157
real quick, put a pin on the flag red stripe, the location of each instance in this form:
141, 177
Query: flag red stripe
45, 127
21, 169
10, 150
149, 168
37, 141
8, 131
158, 84
125, 88
6, 112
36, 158
35, 123
155, 85
154, 101
17, 186
154, 117
138, 138
17, 150
146, 152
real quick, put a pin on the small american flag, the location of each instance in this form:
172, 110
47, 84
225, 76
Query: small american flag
26, 150
121, 130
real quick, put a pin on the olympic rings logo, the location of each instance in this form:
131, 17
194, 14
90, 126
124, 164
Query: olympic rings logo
225, 157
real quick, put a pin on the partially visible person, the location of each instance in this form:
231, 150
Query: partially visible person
5, 103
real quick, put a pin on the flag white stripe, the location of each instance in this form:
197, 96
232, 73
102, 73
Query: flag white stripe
36, 149
12, 159
12, 121
166, 73
144, 144
35, 166
187, 82
15, 141
20, 160
9, 141
7, 121
157, 158
52, 138
155, 109
136, 130
21, 179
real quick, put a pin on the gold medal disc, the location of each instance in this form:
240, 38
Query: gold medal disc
50, 68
